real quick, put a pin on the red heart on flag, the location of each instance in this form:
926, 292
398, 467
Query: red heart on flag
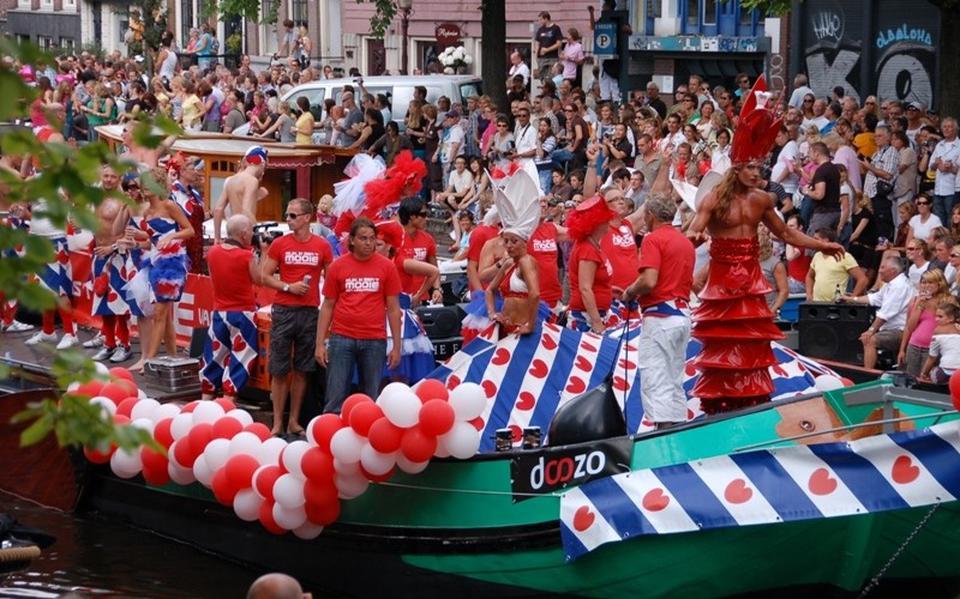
780, 371
548, 342
228, 387
501, 357
690, 414
527, 401
619, 383
477, 423
626, 364
690, 369
583, 364
490, 388
587, 346
112, 296
655, 500
516, 432
453, 381
239, 344
583, 518
738, 491
216, 345
904, 471
102, 284
821, 483
63, 257
576, 385
538, 369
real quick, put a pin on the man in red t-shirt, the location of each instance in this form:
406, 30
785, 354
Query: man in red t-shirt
419, 245
231, 345
361, 286
620, 244
544, 247
663, 288
301, 258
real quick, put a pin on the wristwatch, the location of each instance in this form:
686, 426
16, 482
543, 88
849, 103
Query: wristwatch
286, 287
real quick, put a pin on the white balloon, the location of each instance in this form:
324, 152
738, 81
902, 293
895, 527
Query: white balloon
345, 445
468, 401
179, 474
402, 408
106, 403
442, 451
288, 491
351, 486
171, 455
245, 443
141, 394
182, 423
242, 416
207, 411
308, 530
376, 463
828, 382
269, 453
292, 456
145, 408
410, 467
393, 389
73, 387
202, 472
144, 423
462, 441
166, 410
216, 454
101, 369
126, 465
246, 504
345, 468
289, 518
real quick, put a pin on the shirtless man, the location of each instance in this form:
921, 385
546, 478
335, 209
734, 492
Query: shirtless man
145, 157
242, 191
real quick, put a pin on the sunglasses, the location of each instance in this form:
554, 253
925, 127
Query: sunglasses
923, 203
808, 101
568, 110
291, 215
910, 249
423, 214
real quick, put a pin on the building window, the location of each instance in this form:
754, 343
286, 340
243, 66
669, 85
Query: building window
693, 14
72, 4
186, 21
68, 43
298, 12
46, 4
23, 38
746, 17
45, 42
268, 32
709, 12
24, 4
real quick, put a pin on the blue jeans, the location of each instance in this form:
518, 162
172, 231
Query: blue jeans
943, 207
545, 172
343, 354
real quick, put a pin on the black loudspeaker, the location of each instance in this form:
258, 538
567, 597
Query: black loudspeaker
441, 322
197, 341
444, 348
832, 331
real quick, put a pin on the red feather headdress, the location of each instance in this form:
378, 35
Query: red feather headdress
391, 232
757, 130
403, 179
587, 216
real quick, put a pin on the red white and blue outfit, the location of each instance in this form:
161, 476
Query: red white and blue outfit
162, 272
417, 354
190, 201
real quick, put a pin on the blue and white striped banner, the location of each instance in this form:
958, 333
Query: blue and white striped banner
875, 474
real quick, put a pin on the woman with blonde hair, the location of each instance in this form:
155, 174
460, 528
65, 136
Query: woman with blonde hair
864, 236
921, 321
100, 110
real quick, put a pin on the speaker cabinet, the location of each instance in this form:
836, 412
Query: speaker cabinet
441, 322
832, 331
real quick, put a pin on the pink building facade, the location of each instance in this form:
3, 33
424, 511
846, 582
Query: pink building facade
373, 56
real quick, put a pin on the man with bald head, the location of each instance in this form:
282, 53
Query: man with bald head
276, 586
231, 344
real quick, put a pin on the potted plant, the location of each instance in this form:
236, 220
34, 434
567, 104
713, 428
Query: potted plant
455, 60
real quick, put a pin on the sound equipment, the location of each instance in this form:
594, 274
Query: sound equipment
832, 331
444, 348
198, 339
441, 322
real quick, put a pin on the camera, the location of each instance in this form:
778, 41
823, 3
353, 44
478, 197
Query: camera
265, 234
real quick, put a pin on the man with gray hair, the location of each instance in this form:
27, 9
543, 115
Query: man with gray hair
800, 89
891, 302
663, 290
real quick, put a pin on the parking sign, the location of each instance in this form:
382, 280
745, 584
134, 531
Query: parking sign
605, 39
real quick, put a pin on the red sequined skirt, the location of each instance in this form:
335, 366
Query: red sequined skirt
735, 327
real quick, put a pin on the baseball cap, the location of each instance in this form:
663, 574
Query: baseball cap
453, 114
256, 155
916, 105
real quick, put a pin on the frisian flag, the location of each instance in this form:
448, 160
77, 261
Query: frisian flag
527, 378
879, 473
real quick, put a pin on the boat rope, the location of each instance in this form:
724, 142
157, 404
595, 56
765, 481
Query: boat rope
468, 491
845, 427
875, 581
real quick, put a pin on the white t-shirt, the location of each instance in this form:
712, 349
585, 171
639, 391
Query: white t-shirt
787, 157
916, 272
461, 182
945, 183
452, 135
819, 122
525, 139
921, 230
520, 69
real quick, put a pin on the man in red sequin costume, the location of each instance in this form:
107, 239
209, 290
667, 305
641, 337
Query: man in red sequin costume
733, 321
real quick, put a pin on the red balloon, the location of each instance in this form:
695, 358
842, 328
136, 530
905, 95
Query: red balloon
226, 404
121, 419
240, 469
161, 432
99, 457
378, 478
266, 518
226, 428
200, 435
955, 388
190, 407
261, 430
117, 391
119, 372
319, 493
418, 446
265, 479
155, 466
350, 402
90, 389
324, 428
846, 382
222, 489
436, 418
384, 436
317, 464
325, 513
432, 389
125, 407
363, 415
128, 385
185, 453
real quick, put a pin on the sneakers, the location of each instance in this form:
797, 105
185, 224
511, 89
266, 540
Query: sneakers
94, 343
18, 327
103, 354
121, 354
41, 337
68, 341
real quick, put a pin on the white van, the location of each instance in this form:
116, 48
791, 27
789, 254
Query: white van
399, 90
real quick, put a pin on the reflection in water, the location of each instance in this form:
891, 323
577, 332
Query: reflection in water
99, 558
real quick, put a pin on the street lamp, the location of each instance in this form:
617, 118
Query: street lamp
404, 6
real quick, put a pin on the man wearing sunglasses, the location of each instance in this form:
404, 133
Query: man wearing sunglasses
301, 259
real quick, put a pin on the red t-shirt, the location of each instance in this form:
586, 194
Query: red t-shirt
360, 288
480, 236
620, 246
230, 274
671, 253
298, 259
586, 251
798, 267
543, 247
419, 246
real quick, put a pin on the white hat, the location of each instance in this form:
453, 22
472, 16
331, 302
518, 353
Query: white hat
517, 199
